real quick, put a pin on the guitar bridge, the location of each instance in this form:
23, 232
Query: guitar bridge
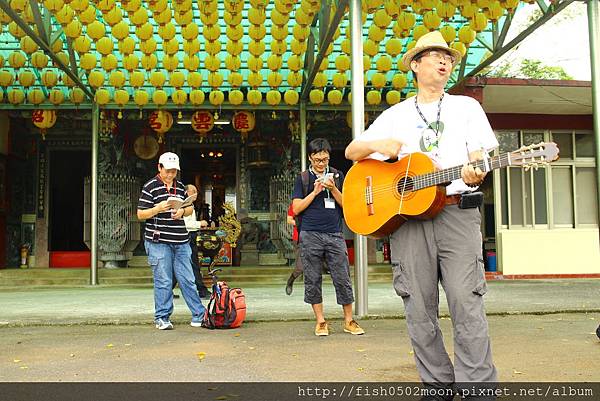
369, 196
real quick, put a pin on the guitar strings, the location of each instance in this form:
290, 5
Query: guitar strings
427, 179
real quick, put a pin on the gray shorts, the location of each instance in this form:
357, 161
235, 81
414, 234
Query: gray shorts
316, 247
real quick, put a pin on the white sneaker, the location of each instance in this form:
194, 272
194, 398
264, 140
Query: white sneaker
163, 324
195, 324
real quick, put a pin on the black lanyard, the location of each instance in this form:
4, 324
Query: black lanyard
437, 123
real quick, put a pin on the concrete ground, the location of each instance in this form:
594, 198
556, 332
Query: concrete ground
527, 348
541, 330
135, 305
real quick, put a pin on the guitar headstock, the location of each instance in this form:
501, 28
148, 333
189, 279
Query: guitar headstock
534, 156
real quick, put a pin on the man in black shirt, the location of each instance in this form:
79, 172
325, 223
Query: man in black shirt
167, 242
317, 202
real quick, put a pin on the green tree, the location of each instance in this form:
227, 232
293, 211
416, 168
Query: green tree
532, 69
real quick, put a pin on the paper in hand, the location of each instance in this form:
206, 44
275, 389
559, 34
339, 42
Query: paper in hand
177, 203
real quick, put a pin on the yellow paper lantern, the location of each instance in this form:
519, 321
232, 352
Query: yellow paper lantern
120, 31
144, 31
26, 78
300, 32
67, 81
279, 18
194, 79
316, 96
370, 47
446, 10
431, 20
373, 97
216, 97
16, 30
88, 15
131, 62
215, 79
116, 79
6, 78
73, 29
211, 32
183, 19
35, 96
376, 34
16, 59
160, 97
167, 31
334, 97
109, 62
382, 19
392, 97
197, 97
171, 46
399, 81
179, 97
149, 61
273, 97
202, 121
466, 35
460, 47
233, 63
448, 33
384, 63
209, 19
274, 62
212, 63
274, 79
113, 16
291, 97
342, 63
82, 44
393, 47
16, 96
494, 11
257, 32
254, 97
190, 31
76, 96
65, 15
121, 99
148, 46
44, 120
294, 79
88, 61
56, 97
191, 63
256, 48
127, 46
234, 48
320, 80
102, 97
243, 121
236, 97
235, 79
255, 79
136, 79
339, 80
170, 63
104, 46
232, 19
177, 79
157, 79
140, 97
96, 30
28, 45
378, 80
255, 64
49, 78
479, 22
256, 17
295, 63
39, 60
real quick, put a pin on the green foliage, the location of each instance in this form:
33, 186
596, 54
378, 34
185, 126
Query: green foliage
532, 69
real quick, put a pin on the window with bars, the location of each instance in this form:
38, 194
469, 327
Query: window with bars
562, 195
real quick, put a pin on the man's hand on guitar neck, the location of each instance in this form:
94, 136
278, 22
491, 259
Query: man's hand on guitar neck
358, 150
473, 177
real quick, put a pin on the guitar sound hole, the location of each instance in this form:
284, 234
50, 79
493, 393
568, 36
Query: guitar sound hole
405, 185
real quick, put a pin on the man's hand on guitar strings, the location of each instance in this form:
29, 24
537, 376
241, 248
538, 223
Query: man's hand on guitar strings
472, 176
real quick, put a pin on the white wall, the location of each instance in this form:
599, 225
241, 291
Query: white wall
555, 251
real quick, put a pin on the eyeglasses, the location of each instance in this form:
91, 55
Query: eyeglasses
320, 161
441, 56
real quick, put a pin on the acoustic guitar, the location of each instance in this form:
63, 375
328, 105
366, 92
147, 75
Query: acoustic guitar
379, 196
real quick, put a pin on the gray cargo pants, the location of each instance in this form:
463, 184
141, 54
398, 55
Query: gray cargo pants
445, 249
315, 248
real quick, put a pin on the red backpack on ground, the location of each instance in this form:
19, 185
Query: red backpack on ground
226, 308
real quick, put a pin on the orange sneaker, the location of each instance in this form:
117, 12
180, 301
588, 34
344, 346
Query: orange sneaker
322, 329
353, 328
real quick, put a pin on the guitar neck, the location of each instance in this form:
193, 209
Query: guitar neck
453, 173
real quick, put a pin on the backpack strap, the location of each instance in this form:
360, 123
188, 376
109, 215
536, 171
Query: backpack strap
304, 176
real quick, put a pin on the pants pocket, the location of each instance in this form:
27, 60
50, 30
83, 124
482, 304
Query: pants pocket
401, 281
479, 283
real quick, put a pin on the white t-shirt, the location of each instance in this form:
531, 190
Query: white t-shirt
464, 128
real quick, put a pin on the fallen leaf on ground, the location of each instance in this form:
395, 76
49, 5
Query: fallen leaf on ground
221, 397
24, 367
295, 355
236, 335
71, 355
109, 345
16, 360
411, 352
361, 369
201, 355
250, 347
360, 350
516, 372
127, 345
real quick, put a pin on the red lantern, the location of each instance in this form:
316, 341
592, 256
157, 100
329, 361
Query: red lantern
202, 122
43, 119
161, 121
244, 122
